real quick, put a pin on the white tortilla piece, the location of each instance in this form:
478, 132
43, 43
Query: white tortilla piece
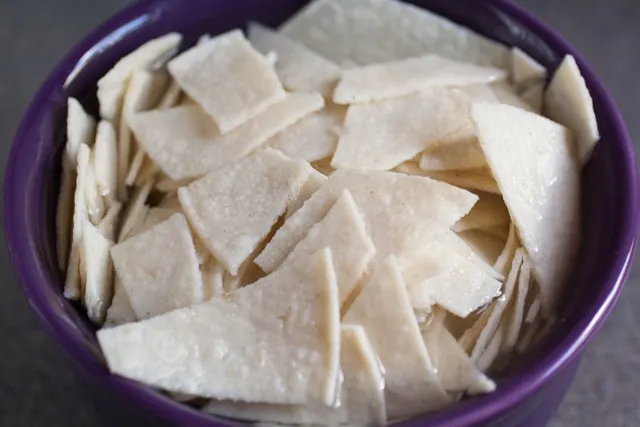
299, 68
567, 101
533, 311
489, 211
98, 289
109, 223
136, 211
284, 349
313, 138
314, 181
94, 201
487, 246
81, 129
212, 279
185, 142
381, 135
64, 213
506, 94
343, 231
399, 211
134, 167
517, 315
148, 170
105, 159
383, 309
465, 154
72, 286
538, 178
110, 99
120, 311
159, 268
470, 179
362, 32
155, 216
250, 82
492, 351
392, 79
222, 206
525, 69
462, 248
534, 96
171, 96
506, 256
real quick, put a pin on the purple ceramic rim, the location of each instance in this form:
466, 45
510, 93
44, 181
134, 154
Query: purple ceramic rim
472, 412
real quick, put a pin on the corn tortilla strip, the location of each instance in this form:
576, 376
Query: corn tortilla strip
98, 289
464, 154
299, 68
185, 142
489, 211
343, 231
525, 69
398, 210
81, 129
399, 78
538, 178
516, 318
171, 96
567, 101
487, 246
251, 84
64, 213
159, 268
470, 179
108, 226
314, 181
134, 168
492, 351
106, 160
286, 339
222, 206
314, 137
362, 32
94, 201
136, 211
120, 311
384, 311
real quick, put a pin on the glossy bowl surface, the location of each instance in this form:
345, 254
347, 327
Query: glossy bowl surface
528, 395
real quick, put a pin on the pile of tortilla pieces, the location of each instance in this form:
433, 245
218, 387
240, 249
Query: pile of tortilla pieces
350, 220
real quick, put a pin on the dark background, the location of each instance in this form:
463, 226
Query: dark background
37, 387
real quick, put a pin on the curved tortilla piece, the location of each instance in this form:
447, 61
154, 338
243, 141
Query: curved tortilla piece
489, 211
525, 69
222, 206
299, 68
98, 289
567, 101
286, 339
250, 82
384, 311
538, 177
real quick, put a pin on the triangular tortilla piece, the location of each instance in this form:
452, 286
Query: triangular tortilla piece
250, 82
362, 32
98, 289
487, 246
398, 210
233, 229
343, 231
465, 154
516, 318
72, 286
538, 178
361, 396
534, 96
299, 68
64, 213
105, 160
136, 210
567, 101
94, 201
508, 252
108, 226
398, 78
159, 268
384, 310
185, 142
120, 311
81, 129
471, 179
381, 135
313, 138
525, 69
314, 181
276, 341
489, 211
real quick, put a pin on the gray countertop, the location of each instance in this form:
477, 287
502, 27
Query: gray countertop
37, 386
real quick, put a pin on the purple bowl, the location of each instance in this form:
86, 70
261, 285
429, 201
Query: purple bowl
533, 387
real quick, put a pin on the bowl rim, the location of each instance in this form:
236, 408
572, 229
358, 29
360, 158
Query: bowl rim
515, 390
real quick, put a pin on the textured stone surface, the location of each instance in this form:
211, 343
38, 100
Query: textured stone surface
37, 385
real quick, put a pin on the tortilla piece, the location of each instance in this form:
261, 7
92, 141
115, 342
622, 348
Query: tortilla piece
285, 339
506, 94
362, 32
384, 310
231, 233
465, 154
105, 160
491, 352
538, 178
471, 179
313, 138
498, 232
299, 68
164, 184
314, 181
343, 231
98, 289
109, 223
94, 201
136, 210
532, 313
171, 96
134, 167
159, 268
120, 311
398, 78
64, 212
147, 171
489, 211
516, 318
488, 246
462, 248
212, 275
250, 82
72, 286
398, 210
81, 129
381, 135
185, 143
534, 96
506, 256
567, 101
525, 69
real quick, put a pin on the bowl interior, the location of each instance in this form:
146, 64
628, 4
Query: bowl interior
31, 187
